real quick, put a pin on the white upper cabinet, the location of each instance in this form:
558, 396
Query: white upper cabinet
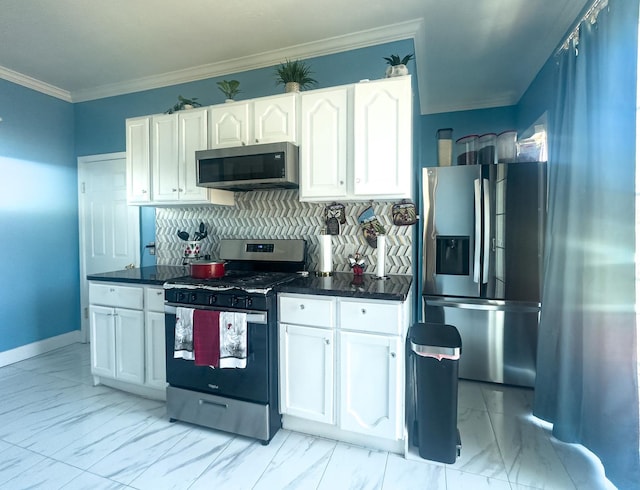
382, 139
229, 124
138, 169
263, 120
323, 144
161, 165
176, 138
356, 142
275, 119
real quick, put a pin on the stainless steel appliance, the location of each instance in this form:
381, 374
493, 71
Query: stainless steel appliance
242, 401
482, 263
245, 168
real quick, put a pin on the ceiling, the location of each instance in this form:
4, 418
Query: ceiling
470, 54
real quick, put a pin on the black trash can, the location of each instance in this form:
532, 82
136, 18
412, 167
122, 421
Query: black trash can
435, 349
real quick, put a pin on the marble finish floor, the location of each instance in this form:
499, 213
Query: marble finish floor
59, 431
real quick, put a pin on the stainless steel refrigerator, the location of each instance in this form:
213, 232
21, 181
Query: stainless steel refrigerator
482, 264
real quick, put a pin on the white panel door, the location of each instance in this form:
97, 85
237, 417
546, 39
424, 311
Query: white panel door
192, 137
164, 157
306, 372
103, 356
109, 228
369, 384
129, 345
323, 145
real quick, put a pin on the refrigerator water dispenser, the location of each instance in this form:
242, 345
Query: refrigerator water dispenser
452, 255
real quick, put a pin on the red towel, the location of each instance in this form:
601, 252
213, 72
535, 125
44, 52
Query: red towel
206, 337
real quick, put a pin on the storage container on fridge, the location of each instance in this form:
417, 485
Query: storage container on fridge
466, 150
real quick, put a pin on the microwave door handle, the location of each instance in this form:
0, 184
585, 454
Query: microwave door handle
477, 217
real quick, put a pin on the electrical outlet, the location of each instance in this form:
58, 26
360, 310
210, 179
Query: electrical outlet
151, 247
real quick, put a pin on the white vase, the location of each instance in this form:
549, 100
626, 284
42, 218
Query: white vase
229, 100
397, 71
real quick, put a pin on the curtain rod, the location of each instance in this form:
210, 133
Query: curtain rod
591, 15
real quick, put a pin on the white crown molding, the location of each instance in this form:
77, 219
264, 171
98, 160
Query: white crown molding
371, 37
32, 83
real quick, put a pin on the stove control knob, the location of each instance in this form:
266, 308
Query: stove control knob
248, 302
181, 297
193, 297
212, 299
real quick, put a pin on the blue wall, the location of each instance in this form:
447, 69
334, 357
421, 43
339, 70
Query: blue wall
39, 280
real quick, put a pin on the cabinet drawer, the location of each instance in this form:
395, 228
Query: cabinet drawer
154, 299
307, 310
374, 316
114, 295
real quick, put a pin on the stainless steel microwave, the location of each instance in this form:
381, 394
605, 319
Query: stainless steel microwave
251, 167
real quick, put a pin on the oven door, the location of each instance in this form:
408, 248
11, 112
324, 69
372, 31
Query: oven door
250, 383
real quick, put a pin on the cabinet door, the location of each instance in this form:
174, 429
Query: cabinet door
192, 136
138, 161
306, 372
155, 364
164, 157
323, 145
103, 343
382, 138
275, 119
370, 384
129, 342
229, 125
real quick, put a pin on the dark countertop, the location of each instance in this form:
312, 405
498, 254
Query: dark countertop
155, 274
345, 284
395, 288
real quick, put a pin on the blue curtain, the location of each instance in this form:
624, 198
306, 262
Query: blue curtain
587, 379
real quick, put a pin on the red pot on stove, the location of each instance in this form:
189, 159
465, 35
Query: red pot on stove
206, 269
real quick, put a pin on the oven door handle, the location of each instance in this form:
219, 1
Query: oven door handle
252, 316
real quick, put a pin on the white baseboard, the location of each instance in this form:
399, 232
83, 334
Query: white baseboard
36, 348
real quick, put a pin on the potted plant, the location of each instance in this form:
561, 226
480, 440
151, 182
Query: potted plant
184, 104
294, 75
397, 66
230, 88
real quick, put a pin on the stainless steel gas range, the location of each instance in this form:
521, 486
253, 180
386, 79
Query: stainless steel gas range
242, 400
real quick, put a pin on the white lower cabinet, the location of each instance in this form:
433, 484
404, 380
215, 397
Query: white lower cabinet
369, 391
308, 359
127, 337
342, 368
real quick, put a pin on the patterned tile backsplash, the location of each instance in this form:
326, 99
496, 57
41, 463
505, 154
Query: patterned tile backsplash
278, 214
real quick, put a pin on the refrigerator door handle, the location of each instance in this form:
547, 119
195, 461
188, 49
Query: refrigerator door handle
477, 216
486, 212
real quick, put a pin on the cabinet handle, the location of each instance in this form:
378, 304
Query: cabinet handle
159, 293
174, 190
112, 290
144, 191
327, 341
393, 354
181, 190
342, 182
302, 307
364, 312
